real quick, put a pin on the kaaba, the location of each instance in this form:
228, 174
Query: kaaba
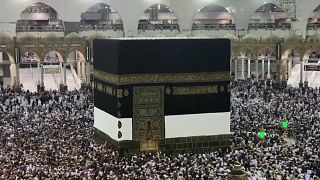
169, 95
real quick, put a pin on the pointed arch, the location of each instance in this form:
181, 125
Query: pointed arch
310, 52
7, 57
78, 54
158, 17
278, 17
291, 52
39, 17
288, 61
110, 18
39, 7
313, 22
30, 57
53, 57
269, 52
245, 51
213, 16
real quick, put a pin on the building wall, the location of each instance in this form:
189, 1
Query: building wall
217, 15
264, 33
161, 16
40, 34
131, 11
8, 28
213, 34
107, 33
262, 18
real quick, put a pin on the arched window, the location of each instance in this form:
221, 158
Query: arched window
101, 17
158, 17
313, 57
29, 57
213, 17
52, 57
39, 17
270, 16
314, 19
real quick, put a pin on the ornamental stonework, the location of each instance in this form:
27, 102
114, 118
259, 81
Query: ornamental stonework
289, 6
193, 90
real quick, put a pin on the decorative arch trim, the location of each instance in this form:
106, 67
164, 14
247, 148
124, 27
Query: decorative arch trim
60, 56
35, 53
270, 2
11, 58
45, 3
206, 4
81, 53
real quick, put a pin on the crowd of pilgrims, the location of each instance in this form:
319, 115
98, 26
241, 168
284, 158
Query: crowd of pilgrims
49, 136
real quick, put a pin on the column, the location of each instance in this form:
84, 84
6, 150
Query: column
301, 73
230, 65
305, 77
1, 76
262, 70
17, 58
65, 77
235, 69
257, 69
249, 64
286, 75
12, 73
78, 68
38, 75
17, 84
61, 84
83, 72
75, 57
88, 73
87, 65
61, 74
289, 66
269, 75
242, 68
41, 78
1, 69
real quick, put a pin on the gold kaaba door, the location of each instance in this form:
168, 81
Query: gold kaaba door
148, 116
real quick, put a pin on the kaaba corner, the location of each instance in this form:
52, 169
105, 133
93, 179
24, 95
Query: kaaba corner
171, 95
